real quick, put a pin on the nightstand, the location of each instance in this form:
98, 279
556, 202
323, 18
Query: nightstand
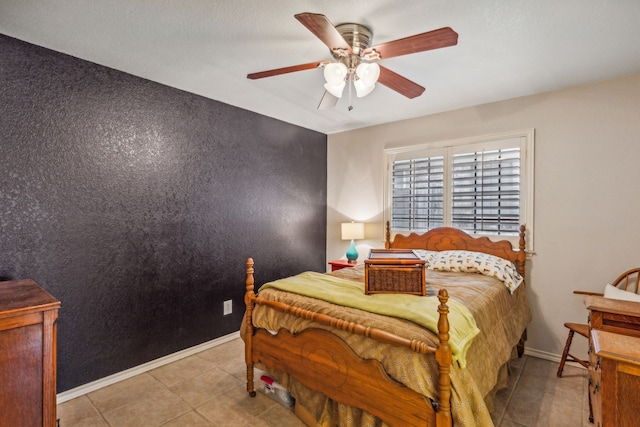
341, 263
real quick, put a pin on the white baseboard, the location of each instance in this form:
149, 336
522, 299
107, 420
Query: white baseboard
123, 375
548, 356
542, 354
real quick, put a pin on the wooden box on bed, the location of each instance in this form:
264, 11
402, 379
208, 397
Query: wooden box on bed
394, 271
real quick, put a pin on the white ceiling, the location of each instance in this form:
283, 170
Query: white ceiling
506, 49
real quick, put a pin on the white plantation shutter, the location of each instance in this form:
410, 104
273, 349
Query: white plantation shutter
485, 188
482, 185
417, 187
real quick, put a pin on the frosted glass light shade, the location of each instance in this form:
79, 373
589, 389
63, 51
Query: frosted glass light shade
368, 73
362, 89
335, 72
367, 77
335, 90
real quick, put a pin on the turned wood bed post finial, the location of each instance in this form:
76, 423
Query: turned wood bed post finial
443, 357
522, 254
249, 300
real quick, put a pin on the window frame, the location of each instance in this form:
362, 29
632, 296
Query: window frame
524, 139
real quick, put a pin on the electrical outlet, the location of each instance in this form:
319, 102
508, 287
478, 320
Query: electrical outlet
227, 308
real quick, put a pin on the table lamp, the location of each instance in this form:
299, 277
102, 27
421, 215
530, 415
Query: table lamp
352, 231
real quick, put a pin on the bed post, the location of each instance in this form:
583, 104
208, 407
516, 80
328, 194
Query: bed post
249, 300
443, 357
387, 240
522, 254
522, 257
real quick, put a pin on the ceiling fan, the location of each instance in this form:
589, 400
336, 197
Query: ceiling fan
355, 61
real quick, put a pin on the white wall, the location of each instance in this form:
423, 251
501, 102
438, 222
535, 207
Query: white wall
587, 194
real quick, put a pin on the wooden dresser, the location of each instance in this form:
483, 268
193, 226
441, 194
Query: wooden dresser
614, 361
27, 355
618, 357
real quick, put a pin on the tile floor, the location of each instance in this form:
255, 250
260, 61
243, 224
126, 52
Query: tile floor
208, 389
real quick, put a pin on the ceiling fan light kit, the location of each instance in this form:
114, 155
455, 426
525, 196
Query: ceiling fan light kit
364, 78
349, 45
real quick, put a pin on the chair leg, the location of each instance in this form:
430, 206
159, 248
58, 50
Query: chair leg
564, 353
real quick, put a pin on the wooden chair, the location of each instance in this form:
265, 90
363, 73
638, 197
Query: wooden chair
630, 277
581, 329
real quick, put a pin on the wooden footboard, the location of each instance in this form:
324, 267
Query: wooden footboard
323, 362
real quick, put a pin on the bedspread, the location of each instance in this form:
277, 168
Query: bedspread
420, 310
500, 316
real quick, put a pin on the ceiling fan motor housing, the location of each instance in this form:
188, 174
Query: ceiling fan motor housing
359, 38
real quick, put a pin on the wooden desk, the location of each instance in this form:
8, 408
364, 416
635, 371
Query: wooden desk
27, 355
612, 315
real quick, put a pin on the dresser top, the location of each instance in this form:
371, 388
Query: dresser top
17, 296
617, 347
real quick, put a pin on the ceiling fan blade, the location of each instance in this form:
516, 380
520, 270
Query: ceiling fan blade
400, 84
324, 30
435, 39
327, 101
285, 70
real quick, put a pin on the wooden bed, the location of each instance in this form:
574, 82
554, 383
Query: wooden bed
323, 362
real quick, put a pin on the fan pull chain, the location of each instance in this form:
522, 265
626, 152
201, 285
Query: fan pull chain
350, 85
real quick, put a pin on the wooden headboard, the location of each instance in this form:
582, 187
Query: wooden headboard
447, 239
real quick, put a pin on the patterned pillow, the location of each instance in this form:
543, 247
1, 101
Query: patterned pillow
477, 262
426, 255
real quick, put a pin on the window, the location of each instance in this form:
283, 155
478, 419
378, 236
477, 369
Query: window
482, 185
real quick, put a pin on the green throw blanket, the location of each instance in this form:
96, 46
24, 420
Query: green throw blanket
420, 310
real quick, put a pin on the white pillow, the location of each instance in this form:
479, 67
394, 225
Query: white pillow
616, 293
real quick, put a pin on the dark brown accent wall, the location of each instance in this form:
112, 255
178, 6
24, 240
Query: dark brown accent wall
137, 204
